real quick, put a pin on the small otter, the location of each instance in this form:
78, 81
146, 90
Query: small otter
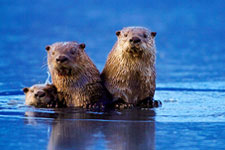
41, 95
75, 76
129, 72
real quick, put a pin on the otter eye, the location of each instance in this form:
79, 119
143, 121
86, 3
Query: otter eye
125, 35
31, 91
144, 35
53, 53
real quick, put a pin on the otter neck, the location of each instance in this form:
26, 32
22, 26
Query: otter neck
62, 82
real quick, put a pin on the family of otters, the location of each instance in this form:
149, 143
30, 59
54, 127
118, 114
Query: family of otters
127, 80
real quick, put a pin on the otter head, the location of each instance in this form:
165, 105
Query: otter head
135, 41
40, 95
63, 57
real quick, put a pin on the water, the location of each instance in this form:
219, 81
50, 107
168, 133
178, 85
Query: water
190, 74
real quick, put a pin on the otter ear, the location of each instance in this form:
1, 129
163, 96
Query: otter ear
153, 34
25, 90
47, 48
118, 33
82, 45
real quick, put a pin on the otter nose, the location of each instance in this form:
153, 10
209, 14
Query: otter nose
39, 94
61, 59
135, 40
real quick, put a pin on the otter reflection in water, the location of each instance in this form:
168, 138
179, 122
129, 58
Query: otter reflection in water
129, 130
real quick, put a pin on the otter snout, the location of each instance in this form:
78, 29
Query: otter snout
135, 40
61, 59
39, 94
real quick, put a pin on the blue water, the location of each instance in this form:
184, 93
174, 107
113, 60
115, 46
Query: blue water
190, 74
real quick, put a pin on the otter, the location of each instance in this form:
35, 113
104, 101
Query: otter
75, 76
42, 95
129, 73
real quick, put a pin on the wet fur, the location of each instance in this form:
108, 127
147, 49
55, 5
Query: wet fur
129, 74
79, 84
50, 99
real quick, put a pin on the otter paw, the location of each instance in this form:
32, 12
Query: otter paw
123, 105
97, 106
147, 103
44, 105
157, 103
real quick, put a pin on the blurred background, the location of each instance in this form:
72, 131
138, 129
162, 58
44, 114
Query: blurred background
190, 36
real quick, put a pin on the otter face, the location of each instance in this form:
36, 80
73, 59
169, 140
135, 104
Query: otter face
136, 40
64, 57
40, 95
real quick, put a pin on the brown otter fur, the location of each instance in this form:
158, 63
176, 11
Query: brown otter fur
41, 95
77, 79
129, 72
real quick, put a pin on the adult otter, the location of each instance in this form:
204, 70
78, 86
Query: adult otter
42, 95
75, 76
129, 72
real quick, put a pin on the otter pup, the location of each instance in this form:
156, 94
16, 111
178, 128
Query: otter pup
75, 76
129, 72
41, 95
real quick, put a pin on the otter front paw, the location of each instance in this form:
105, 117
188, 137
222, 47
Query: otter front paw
120, 104
123, 106
45, 104
157, 103
149, 103
96, 106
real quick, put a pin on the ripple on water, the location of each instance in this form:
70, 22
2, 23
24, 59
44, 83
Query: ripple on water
13, 107
178, 106
191, 116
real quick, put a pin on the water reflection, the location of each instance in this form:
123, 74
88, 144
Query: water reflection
127, 130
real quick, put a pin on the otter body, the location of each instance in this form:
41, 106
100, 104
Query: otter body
77, 79
129, 72
42, 95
